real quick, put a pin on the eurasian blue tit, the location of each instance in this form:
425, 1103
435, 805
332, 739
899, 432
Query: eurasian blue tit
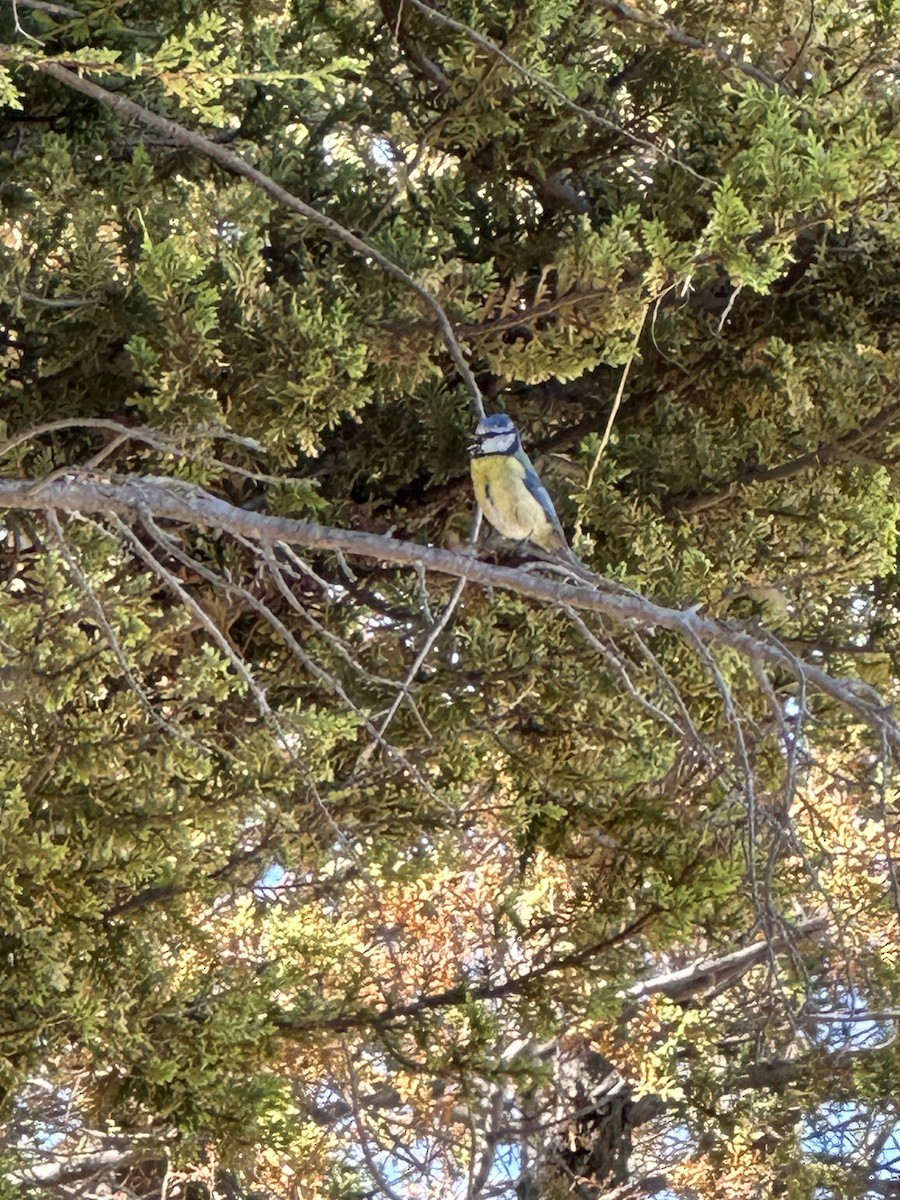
510, 492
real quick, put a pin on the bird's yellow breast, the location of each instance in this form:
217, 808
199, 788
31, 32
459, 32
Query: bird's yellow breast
499, 483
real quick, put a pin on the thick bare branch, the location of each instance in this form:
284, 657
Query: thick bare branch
61, 1168
173, 501
713, 972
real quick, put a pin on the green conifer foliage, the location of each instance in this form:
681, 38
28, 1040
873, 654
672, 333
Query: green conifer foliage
299, 843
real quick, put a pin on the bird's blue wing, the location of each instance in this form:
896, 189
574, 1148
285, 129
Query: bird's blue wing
532, 481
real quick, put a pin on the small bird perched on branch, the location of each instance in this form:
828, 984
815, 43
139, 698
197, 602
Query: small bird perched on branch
511, 495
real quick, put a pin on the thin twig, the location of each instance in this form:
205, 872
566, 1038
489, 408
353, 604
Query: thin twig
139, 433
275, 570
318, 672
614, 661
111, 637
201, 615
545, 85
14, 4
743, 759
433, 634
669, 684
620, 391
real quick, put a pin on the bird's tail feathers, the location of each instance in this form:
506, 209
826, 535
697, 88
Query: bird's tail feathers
567, 559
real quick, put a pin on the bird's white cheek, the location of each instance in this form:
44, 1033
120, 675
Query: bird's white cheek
500, 443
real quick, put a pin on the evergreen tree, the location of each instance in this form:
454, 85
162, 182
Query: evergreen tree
341, 860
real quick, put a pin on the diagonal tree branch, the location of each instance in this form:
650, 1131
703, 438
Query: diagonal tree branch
680, 37
545, 85
714, 972
826, 452
462, 993
173, 501
237, 165
677, 985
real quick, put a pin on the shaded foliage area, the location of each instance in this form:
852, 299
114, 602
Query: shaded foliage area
335, 877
